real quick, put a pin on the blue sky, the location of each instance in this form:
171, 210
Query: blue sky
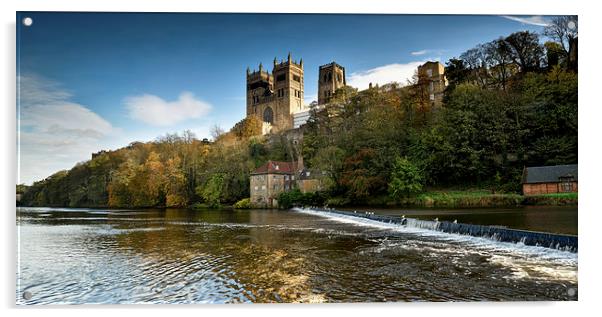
90, 81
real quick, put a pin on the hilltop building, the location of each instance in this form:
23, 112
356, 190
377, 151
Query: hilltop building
331, 77
431, 76
275, 96
550, 179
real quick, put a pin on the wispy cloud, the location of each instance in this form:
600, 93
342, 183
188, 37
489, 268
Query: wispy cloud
418, 53
400, 73
158, 112
531, 20
55, 132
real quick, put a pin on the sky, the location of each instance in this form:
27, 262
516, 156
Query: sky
99, 81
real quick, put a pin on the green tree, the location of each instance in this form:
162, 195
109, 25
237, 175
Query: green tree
526, 50
406, 179
330, 161
212, 191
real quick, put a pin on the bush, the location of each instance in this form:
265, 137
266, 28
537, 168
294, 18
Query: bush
338, 201
287, 200
244, 203
295, 197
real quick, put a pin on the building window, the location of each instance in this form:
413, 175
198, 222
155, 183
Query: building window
339, 78
255, 187
566, 184
296, 78
281, 77
263, 187
429, 72
293, 177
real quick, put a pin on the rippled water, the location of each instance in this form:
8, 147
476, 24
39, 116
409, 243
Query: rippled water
178, 256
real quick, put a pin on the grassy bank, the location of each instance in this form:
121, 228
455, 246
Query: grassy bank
560, 199
468, 198
477, 198
463, 198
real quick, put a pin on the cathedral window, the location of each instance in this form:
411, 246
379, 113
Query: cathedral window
268, 115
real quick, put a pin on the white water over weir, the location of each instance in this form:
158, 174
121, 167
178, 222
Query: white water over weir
534, 238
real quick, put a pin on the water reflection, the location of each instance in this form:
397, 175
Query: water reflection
181, 256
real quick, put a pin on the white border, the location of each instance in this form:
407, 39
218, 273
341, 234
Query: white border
589, 115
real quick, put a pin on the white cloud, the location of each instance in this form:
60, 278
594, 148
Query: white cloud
54, 132
532, 20
418, 53
381, 75
158, 112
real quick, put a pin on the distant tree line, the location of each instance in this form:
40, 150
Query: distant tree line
510, 103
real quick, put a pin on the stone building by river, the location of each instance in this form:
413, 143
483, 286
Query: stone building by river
275, 177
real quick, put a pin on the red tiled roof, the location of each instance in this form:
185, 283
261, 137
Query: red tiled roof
276, 167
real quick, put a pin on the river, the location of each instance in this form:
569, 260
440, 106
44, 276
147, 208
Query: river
76, 256
554, 219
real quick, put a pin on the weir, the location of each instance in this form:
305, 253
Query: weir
534, 238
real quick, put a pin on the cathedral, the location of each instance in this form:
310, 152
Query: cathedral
277, 96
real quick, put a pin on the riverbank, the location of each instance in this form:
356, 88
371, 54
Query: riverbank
463, 199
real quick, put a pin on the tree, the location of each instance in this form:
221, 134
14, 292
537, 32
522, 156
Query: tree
456, 71
175, 184
562, 29
498, 56
330, 161
555, 55
406, 179
476, 62
526, 50
248, 127
212, 191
